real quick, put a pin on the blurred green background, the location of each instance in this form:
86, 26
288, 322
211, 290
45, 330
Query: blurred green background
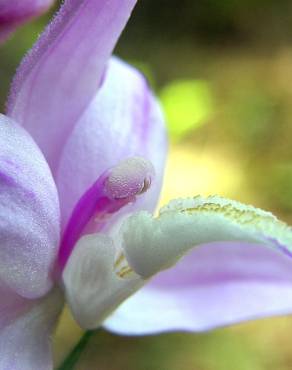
223, 71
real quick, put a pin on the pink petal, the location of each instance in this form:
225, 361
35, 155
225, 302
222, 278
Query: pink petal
216, 284
12, 305
29, 213
61, 75
25, 338
123, 120
15, 12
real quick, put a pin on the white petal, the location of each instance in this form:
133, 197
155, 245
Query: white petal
152, 245
95, 281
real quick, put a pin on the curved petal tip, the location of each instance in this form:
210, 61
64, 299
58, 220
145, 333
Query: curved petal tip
14, 12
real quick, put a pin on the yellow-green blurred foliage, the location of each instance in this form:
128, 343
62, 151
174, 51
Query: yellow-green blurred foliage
187, 105
223, 71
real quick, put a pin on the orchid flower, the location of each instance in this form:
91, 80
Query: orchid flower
82, 153
15, 12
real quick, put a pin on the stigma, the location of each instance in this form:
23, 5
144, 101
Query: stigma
129, 178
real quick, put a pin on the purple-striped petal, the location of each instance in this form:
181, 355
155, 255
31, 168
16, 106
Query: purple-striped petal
62, 73
29, 214
15, 12
123, 120
215, 285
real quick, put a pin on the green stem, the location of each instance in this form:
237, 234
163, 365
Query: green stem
73, 357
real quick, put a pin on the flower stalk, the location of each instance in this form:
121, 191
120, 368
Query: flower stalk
73, 357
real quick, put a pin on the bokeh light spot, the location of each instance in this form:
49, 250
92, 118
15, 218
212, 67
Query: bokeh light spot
187, 105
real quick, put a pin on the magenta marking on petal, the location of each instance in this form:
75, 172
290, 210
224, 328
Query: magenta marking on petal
6, 179
114, 189
281, 247
92, 203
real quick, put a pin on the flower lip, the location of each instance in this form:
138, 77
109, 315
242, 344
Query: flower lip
130, 178
154, 244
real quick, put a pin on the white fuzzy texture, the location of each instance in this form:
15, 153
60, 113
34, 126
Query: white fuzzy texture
93, 287
152, 245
